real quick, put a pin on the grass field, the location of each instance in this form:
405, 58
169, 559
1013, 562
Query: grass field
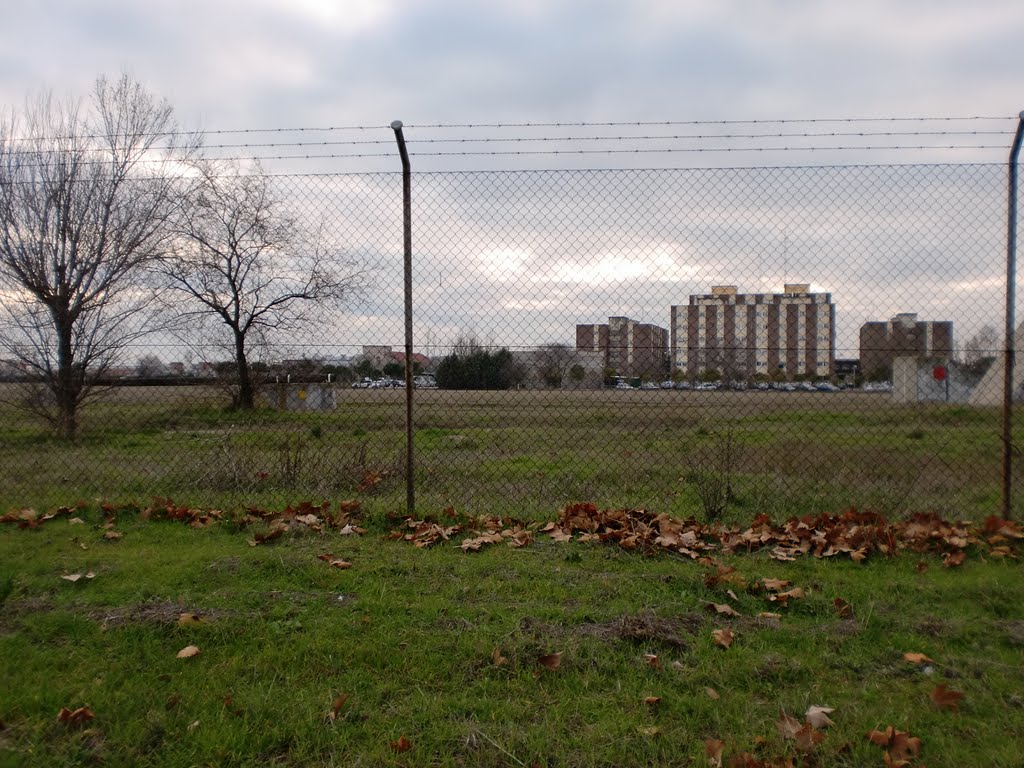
439, 657
519, 452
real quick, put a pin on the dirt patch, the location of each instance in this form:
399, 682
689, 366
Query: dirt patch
225, 565
1014, 633
638, 628
933, 626
12, 610
149, 613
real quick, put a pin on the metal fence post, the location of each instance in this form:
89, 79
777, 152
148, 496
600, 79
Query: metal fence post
410, 485
1011, 341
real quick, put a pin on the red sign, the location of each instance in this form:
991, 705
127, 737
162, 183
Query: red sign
939, 373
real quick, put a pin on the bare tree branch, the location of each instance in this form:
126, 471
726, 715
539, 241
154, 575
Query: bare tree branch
241, 257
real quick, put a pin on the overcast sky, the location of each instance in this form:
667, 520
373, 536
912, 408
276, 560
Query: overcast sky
230, 65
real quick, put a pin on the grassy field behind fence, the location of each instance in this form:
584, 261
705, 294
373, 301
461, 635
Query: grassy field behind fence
521, 452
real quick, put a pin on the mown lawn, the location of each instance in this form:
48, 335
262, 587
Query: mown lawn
444, 655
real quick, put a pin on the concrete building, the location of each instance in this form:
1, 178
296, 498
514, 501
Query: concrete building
902, 336
629, 347
742, 335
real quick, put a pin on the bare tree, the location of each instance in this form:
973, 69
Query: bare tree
553, 363
85, 194
981, 349
246, 264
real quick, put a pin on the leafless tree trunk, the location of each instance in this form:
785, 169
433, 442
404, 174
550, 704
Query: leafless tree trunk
244, 262
85, 197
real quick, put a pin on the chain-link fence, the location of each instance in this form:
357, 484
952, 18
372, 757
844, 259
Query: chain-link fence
699, 342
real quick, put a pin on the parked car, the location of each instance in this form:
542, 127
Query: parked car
648, 385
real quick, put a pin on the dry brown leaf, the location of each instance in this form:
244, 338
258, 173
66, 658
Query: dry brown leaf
73, 718
904, 745
881, 738
402, 745
946, 698
651, 730
722, 637
953, 559
551, 661
652, 660
76, 521
843, 609
342, 564
190, 619
498, 659
818, 717
113, 535
652, 701
769, 615
775, 585
807, 738
73, 577
188, 652
916, 658
712, 693
722, 608
336, 705
900, 745
922, 566
713, 748
787, 725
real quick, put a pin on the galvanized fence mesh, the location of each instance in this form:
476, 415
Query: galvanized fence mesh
700, 342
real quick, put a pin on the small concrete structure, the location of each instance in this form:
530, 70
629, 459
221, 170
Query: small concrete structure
990, 390
930, 379
306, 397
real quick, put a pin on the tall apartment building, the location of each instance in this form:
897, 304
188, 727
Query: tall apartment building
631, 348
881, 342
741, 335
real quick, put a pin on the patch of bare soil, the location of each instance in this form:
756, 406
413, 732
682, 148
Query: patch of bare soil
12, 610
148, 613
638, 628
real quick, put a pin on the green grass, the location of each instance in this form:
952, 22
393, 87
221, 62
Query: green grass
519, 452
409, 635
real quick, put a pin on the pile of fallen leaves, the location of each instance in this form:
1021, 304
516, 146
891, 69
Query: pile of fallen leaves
851, 533
478, 531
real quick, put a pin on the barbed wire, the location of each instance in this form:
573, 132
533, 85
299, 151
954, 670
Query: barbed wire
578, 152
567, 124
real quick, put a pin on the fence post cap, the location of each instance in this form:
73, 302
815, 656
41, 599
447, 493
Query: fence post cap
396, 124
